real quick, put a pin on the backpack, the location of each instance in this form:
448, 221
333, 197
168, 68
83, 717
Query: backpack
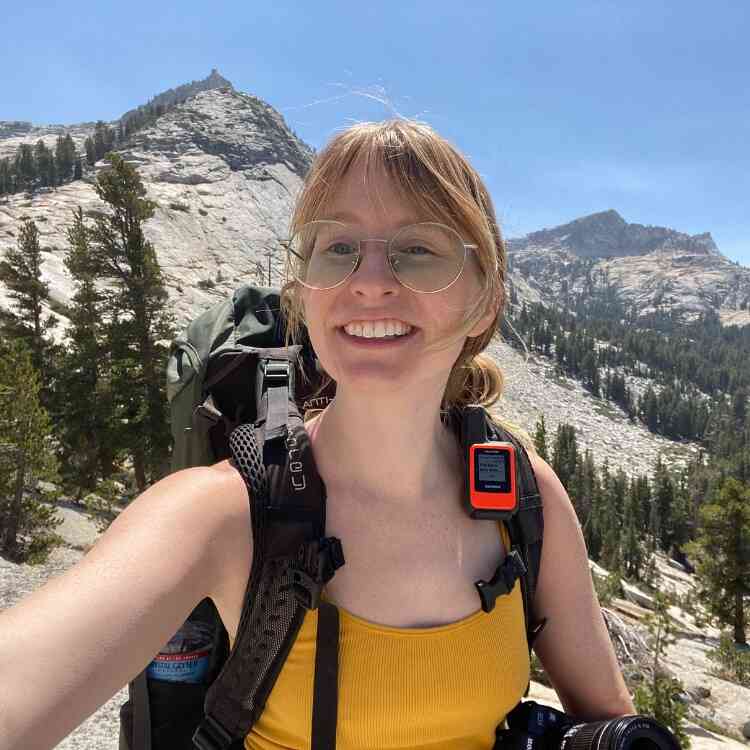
236, 390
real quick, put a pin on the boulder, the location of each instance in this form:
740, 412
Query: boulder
635, 595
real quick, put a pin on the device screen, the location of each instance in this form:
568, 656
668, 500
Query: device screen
492, 470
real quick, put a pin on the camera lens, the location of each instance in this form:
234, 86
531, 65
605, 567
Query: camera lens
532, 726
625, 733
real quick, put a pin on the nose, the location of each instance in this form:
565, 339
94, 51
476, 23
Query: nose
373, 277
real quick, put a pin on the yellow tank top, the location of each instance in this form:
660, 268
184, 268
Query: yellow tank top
439, 688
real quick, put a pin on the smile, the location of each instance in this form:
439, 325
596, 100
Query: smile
377, 341
378, 329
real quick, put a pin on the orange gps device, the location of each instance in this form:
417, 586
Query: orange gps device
492, 480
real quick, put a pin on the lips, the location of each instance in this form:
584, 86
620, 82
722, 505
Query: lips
377, 341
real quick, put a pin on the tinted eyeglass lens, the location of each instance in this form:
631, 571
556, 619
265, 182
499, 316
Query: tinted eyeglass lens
427, 257
424, 257
322, 254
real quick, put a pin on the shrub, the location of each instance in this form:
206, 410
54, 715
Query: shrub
731, 664
608, 588
659, 697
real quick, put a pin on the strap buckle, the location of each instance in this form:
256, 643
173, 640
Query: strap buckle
276, 372
317, 561
502, 582
211, 735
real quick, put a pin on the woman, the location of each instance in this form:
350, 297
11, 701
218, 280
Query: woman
399, 278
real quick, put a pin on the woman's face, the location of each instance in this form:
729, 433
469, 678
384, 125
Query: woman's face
372, 294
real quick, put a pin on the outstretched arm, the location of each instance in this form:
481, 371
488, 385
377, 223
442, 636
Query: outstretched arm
574, 646
71, 645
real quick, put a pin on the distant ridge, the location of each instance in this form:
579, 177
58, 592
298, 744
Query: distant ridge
606, 234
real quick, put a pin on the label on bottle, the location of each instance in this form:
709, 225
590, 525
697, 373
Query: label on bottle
186, 657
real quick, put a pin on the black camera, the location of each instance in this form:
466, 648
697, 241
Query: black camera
532, 726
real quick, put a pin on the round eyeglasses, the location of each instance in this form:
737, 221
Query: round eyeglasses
427, 257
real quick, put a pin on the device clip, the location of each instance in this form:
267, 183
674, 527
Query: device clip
511, 568
318, 560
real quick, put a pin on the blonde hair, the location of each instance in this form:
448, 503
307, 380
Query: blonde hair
440, 183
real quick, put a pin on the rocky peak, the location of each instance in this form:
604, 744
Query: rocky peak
651, 268
187, 90
244, 131
606, 234
15, 132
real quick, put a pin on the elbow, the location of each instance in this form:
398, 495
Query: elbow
603, 710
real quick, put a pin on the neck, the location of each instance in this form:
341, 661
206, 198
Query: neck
365, 445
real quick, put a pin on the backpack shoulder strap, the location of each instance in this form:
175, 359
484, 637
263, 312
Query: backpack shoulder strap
525, 527
292, 560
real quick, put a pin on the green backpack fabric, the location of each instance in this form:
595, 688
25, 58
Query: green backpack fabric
236, 390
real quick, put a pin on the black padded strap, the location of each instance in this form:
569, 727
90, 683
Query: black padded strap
138, 690
325, 686
288, 518
526, 527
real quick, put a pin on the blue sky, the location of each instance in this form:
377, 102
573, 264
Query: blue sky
565, 108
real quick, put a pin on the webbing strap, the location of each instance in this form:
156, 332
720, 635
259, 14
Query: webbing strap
277, 386
325, 686
138, 690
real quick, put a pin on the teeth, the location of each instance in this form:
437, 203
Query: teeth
377, 329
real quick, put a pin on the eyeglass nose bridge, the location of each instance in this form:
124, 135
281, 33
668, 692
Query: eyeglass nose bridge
388, 260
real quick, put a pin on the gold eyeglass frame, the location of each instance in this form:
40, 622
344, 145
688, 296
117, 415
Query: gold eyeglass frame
466, 246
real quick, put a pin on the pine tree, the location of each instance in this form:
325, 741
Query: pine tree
665, 507
64, 158
540, 438
86, 434
565, 455
44, 164
722, 555
26, 456
100, 140
25, 167
21, 274
614, 492
633, 553
596, 529
90, 151
141, 322
6, 184
659, 699
648, 409
588, 492
70, 150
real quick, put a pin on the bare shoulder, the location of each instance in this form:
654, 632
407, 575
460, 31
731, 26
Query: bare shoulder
214, 510
557, 506
202, 510
232, 557
218, 501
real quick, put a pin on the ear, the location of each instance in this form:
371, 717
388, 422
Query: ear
487, 319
